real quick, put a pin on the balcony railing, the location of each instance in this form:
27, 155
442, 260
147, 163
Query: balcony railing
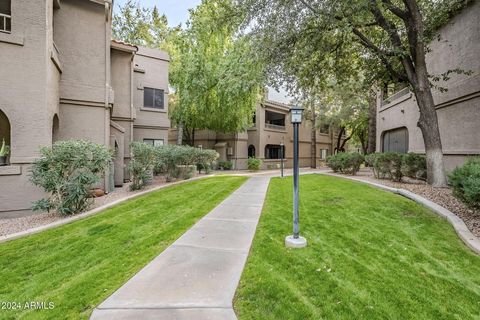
274, 126
5, 22
396, 95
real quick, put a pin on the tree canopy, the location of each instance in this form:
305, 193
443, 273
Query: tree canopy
216, 76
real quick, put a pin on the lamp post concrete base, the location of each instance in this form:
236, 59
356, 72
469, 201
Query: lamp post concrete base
291, 242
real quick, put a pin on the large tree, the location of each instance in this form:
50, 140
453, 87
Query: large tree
216, 75
393, 32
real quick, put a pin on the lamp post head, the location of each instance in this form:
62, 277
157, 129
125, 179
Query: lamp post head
296, 114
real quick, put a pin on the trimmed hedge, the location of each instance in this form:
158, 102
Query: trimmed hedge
465, 181
393, 166
345, 162
225, 165
176, 162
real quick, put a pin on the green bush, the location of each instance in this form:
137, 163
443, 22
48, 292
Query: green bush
225, 165
414, 166
388, 165
68, 170
142, 164
393, 166
465, 181
333, 162
254, 164
169, 157
204, 159
346, 162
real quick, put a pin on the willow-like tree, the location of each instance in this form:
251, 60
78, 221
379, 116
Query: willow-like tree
395, 33
216, 75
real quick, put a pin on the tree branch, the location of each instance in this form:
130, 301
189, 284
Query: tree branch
402, 14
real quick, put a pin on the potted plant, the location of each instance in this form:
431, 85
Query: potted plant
4, 151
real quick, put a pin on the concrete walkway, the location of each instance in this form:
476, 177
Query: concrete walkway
196, 277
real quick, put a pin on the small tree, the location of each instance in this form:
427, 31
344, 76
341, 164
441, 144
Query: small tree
68, 170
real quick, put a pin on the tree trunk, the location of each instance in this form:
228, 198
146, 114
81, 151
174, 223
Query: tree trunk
372, 122
193, 138
313, 145
428, 124
339, 140
180, 134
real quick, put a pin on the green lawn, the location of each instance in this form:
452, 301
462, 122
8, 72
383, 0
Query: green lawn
370, 255
78, 265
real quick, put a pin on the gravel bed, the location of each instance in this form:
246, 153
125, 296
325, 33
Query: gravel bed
14, 225
441, 196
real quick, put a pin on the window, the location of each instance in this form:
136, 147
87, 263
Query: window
154, 142
323, 154
5, 16
324, 128
395, 140
273, 151
153, 98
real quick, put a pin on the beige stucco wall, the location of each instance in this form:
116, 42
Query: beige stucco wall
28, 97
151, 70
458, 109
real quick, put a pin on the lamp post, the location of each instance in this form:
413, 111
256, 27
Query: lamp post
281, 158
295, 240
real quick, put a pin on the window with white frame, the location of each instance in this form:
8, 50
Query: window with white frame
5, 16
154, 142
153, 98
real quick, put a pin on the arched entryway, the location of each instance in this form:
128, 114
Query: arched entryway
4, 128
251, 151
55, 127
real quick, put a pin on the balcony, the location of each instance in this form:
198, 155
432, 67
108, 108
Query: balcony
274, 127
274, 121
397, 95
5, 23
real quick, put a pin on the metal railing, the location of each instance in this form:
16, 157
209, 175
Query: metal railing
396, 95
5, 22
274, 126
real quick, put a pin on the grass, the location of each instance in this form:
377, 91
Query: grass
370, 255
78, 265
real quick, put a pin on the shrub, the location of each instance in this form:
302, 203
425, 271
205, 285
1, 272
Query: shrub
414, 166
225, 165
170, 157
204, 159
68, 170
142, 164
333, 162
389, 165
346, 162
254, 164
465, 181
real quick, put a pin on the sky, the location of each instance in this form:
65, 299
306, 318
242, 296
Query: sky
177, 12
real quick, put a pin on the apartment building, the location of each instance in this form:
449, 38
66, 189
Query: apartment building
271, 128
457, 46
62, 77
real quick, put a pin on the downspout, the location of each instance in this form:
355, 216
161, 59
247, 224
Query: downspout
107, 89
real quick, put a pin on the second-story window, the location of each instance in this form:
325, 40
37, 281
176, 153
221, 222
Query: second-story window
153, 98
5, 16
